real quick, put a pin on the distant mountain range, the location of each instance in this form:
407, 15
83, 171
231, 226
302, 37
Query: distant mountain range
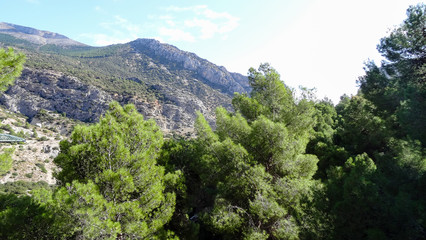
78, 80
37, 36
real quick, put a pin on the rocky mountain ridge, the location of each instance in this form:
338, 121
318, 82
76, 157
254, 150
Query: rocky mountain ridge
233, 82
165, 83
37, 36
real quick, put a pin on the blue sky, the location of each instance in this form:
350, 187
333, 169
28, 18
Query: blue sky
320, 44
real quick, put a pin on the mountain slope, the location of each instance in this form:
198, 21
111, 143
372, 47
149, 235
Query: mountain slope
37, 36
164, 83
33, 160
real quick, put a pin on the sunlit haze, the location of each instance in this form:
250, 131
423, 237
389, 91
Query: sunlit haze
312, 43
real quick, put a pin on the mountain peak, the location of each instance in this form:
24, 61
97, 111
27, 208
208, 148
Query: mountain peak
37, 36
213, 74
146, 40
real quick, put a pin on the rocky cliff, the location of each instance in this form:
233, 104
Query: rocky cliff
215, 75
55, 91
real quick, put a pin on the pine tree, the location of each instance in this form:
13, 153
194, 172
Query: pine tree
112, 187
256, 163
11, 65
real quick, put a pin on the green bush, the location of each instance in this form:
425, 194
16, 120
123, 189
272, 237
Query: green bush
17, 123
8, 128
34, 135
6, 160
21, 187
42, 167
43, 138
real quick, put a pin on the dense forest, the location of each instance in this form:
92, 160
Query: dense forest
279, 166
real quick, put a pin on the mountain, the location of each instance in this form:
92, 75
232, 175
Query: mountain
164, 82
37, 36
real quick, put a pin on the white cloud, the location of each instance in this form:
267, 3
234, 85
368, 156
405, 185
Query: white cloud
174, 24
184, 9
121, 31
171, 23
207, 28
159, 39
215, 15
199, 20
104, 40
176, 34
99, 9
121, 24
167, 19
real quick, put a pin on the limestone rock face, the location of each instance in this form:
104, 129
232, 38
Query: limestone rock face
55, 91
212, 74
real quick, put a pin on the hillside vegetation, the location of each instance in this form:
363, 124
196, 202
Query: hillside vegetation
32, 160
276, 166
164, 83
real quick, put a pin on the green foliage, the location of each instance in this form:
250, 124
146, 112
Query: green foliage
367, 202
407, 41
42, 167
271, 93
7, 127
6, 160
11, 65
374, 161
322, 144
10, 40
251, 177
42, 138
112, 165
360, 130
182, 155
253, 169
23, 218
357, 203
397, 87
21, 187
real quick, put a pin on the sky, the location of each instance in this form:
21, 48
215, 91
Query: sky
321, 44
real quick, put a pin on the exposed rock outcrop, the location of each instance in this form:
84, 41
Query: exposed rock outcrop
55, 91
214, 75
